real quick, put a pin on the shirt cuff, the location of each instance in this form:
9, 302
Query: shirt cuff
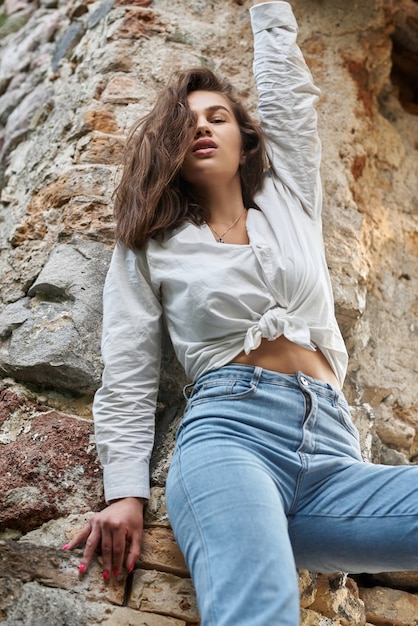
123, 481
272, 14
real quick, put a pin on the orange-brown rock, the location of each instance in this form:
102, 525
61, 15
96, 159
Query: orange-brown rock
139, 23
101, 120
161, 552
101, 148
390, 607
339, 598
164, 593
134, 3
78, 184
122, 89
307, 587
312, 618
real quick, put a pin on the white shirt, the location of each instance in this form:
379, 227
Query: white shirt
218, 299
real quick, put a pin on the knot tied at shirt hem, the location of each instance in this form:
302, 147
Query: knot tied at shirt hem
272, 325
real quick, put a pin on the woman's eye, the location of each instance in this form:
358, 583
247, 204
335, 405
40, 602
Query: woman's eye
218, 120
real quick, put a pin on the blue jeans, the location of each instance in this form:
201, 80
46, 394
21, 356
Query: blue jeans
267, 476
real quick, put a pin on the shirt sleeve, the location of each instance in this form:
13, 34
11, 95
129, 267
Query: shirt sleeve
124, 406
287, 99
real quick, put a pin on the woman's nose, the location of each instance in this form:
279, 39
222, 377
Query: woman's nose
202, 129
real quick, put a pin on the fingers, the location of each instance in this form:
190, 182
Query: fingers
117, 526
113, 548
80, 538
92, 543
91, 536
83, 536
119, 545
134, 550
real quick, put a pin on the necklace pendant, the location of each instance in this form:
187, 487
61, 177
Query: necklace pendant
218, 237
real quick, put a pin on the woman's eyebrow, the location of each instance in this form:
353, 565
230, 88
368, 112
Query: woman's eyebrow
216, 107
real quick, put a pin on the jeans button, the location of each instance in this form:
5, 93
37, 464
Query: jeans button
304, 381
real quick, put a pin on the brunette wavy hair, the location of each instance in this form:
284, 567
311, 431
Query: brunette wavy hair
152, 198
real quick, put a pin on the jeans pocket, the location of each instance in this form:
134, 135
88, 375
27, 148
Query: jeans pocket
345, 418
221, 389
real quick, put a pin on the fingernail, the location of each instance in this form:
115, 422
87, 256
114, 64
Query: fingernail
131, 568
115, 572
82, 568
65, 547
106, 576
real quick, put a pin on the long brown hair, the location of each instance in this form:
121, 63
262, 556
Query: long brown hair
152, 197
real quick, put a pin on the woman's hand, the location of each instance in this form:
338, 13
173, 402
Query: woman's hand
117, 527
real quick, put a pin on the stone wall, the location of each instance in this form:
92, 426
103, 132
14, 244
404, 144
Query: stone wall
74, 76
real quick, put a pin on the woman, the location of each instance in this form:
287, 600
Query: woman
267, 473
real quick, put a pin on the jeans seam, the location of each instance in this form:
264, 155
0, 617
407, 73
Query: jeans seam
188, 500
353, 515
347, 424
303, 464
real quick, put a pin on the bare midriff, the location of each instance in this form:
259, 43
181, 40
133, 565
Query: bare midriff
282, 355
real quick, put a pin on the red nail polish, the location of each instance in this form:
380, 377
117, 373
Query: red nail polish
65, 547
130, 570
82, 568
115, 572
106, 576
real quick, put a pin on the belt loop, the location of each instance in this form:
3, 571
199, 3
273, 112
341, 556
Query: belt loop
256, 375
188, 390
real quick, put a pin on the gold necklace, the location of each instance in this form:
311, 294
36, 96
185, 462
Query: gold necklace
219, 238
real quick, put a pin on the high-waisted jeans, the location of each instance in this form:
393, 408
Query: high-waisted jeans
267, 476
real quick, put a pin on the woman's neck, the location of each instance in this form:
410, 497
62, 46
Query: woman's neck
222, 203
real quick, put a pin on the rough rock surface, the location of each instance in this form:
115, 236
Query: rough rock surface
48, 464
74, 76
52, 336
390, 606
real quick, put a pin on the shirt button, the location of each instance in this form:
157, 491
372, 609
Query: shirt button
304, 381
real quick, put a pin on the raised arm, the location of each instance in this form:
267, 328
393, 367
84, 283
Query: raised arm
287, 98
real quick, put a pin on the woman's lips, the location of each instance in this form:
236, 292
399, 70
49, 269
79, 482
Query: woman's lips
204, 151
204, 147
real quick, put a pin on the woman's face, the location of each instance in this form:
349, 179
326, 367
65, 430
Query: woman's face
216, 151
